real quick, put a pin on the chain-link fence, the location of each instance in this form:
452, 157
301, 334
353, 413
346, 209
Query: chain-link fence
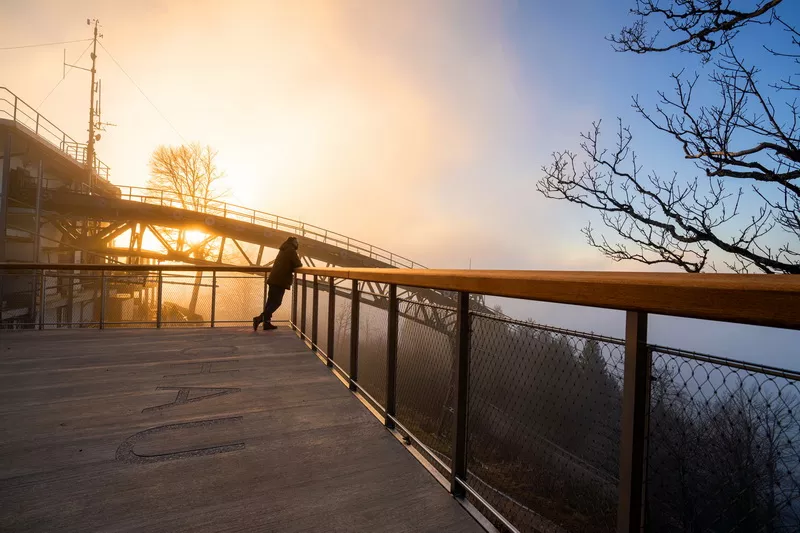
341, 325
544, 424
20, 294
127, 299
305, 294
239, 297
332, 342
543, 405
185, 298
724, 446
305, 322
68, 299
322, 320
373, 319
78, 299
117, 298
425, 357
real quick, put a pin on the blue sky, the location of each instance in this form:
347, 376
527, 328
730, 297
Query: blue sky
418, 126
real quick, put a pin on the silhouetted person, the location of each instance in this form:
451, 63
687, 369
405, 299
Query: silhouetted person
279, 280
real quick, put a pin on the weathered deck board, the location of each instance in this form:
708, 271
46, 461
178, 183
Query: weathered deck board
313, 458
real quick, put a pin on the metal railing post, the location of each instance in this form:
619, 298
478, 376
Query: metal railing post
294, 303
102, 299
314, 313
15, 107
70, 298
633, 449
303, 309
160, 295
266, 294
42, 301
214, 296
331, 318
34, 294
391, 358
354, 302
459, 469
37, 243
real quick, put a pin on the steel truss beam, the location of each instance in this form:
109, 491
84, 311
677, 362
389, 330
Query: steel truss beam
426, 306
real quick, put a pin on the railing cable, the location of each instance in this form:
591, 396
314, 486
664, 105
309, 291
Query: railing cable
64, 76
143, 93
43, 44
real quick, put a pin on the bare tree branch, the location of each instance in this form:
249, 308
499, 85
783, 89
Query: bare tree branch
697, 26
187, 175
746, 144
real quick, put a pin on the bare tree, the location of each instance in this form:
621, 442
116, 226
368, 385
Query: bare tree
696, 26
746, 207
188, 176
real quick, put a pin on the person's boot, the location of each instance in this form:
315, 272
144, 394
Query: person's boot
256, 322
269, 325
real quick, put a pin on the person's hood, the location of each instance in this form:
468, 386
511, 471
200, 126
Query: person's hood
287, 244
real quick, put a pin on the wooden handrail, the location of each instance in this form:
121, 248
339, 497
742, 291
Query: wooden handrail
759, 299
134, 268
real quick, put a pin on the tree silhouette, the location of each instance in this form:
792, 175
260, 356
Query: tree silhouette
188, 176
746, 142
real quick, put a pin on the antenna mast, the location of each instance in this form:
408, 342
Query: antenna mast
90, 146
94, 106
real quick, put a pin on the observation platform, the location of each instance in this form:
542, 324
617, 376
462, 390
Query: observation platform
202, 430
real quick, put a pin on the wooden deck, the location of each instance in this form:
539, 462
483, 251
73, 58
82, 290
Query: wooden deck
202, 430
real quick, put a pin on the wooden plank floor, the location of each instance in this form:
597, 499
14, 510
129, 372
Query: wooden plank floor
202, 430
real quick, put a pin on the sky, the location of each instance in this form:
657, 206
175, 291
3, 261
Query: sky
418, 126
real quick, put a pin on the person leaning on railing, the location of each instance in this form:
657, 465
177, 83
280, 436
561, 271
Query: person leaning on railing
279, 280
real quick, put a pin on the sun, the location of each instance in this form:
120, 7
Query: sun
194, 236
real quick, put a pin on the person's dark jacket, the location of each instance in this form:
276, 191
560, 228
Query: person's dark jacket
283, 268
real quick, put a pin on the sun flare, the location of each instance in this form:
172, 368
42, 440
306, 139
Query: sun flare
194, 236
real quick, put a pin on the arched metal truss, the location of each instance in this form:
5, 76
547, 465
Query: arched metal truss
93, 220
94, 223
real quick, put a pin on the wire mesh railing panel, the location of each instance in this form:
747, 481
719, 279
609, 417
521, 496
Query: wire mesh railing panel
186, 299
322, 317
723, 447
373, 320
425, 375
53, 310
129, 299
309, 294
69, 299
19, 299
544, 424
240, 297
341, 326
